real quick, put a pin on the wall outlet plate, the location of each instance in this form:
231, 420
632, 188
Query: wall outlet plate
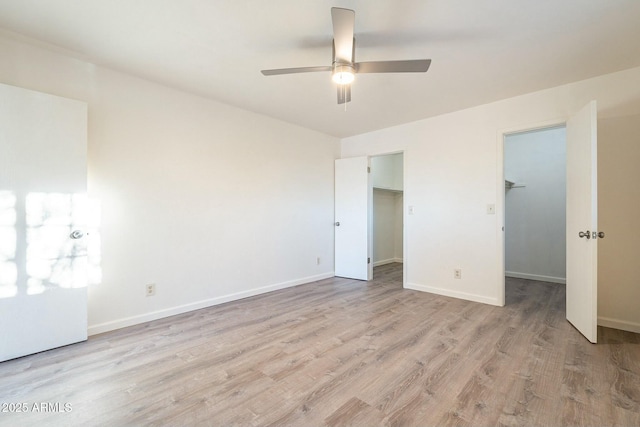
150, 289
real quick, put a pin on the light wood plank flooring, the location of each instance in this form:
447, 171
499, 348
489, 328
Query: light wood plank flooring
340, 352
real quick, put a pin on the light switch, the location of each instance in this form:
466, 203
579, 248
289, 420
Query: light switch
410, 210
491, 209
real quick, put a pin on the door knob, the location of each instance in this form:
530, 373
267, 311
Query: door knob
601, 234
338, 224
76, 234
584, 234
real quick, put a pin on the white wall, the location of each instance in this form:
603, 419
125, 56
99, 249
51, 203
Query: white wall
453, 169
387, 171
535, 208
618, 214
209, 202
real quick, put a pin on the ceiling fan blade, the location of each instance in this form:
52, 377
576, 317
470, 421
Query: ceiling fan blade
278, 71
344, 94
408, 66
343, 24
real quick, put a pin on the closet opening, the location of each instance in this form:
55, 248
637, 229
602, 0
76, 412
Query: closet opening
535, 210
387, 234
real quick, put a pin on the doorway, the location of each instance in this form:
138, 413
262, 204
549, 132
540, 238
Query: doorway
581, 220
535, 204
354, 217
387, 222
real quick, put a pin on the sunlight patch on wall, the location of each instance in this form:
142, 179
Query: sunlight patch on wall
8, 238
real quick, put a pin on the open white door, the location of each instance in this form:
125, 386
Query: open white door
352, 218
43, 264
582, 222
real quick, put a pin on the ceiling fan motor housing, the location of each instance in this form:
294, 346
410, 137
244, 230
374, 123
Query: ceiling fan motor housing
343, 73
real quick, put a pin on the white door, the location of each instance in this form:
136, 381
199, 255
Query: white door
582, 222
43, 295
352, 218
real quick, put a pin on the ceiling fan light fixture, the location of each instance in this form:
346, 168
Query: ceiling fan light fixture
343, 74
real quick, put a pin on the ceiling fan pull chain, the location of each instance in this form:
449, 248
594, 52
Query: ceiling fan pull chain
344, 94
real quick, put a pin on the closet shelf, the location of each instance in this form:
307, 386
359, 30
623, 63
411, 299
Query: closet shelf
510, 184
392, 190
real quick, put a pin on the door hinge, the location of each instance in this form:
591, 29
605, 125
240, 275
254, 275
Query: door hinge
368, 260
368, 169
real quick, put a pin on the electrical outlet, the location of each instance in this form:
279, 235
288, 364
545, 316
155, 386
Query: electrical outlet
457, 273
151, 289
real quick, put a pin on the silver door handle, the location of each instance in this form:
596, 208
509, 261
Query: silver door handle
586, 234
76, 234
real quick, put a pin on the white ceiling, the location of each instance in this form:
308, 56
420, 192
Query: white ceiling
482, 50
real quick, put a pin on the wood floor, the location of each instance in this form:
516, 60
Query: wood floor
340, 352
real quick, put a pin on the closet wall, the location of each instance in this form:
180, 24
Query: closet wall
386, 175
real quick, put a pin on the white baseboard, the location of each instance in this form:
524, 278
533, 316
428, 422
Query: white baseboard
454, 294
172, 311
619, 324
537, 277
387, 261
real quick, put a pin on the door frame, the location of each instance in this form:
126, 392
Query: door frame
500, 199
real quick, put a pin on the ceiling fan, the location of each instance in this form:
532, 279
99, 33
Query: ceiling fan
343, 67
